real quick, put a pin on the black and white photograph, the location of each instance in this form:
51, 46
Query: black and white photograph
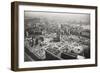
53, 36
56, 36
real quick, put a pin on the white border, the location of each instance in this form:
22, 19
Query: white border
34, 64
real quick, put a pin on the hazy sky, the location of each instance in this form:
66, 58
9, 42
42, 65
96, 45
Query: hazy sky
59, 16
